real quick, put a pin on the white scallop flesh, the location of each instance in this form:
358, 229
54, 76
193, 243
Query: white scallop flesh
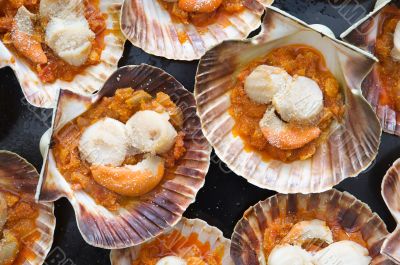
395, 53
305, 230
264, 81
171, 260
24, 21
61, 8
104, 143
343, 252
150, 131
9, 247
70, 39
150, 163
3, 211
289, 255
301, 101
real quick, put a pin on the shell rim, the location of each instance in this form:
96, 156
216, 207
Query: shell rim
372, 213
49, 204
252, 41
51, 105
185, 220
60, 195
194, 58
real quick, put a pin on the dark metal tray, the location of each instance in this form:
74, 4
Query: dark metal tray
225, 195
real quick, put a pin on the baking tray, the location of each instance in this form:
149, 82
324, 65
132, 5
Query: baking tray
225, 196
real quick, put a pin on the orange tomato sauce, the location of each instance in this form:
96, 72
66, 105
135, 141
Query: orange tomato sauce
388, 69
202, 20
296, 60
121, 107
21, 221
281, 226
189, 248
55, 68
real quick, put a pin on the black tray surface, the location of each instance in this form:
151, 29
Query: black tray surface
225, 196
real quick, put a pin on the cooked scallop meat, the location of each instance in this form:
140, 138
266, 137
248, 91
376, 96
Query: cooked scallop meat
61, 9
264, 82
395, 53
171, 260
104, 143
301, 101
70, 39
9, 247
199, 6
131, 180
284, 135
150, 131
305, 230
289, 255
22, 37
343, 252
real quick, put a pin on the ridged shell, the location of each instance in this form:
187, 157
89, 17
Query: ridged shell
147, 25
350, 213
90, 80
19, 176
363, 34
186, 226
391, 195
157, 210
351, 146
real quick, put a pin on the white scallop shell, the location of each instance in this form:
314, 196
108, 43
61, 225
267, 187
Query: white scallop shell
391, 195
147, 25
19, 176
90, 80
363, 34
186, 226
352, 144
152, 213
341, 208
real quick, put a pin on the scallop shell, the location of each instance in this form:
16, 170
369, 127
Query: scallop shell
363, 34
206, 233
90, 80
157, 210
19, 176
147, 25
351, 146
391, 195
350, 213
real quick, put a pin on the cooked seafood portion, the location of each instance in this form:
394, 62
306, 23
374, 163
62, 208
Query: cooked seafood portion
301, 101
121, 146
284, 103
150, 131
71, 40
17, 228
171, 260
131, 180
104, 143
23, 39
343, 252
387, 49
395, 53
180, 248
289, 255
58, 38
313, 242
284, 135
9, 247
201, 12
304, 231
190, 242
264, 82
